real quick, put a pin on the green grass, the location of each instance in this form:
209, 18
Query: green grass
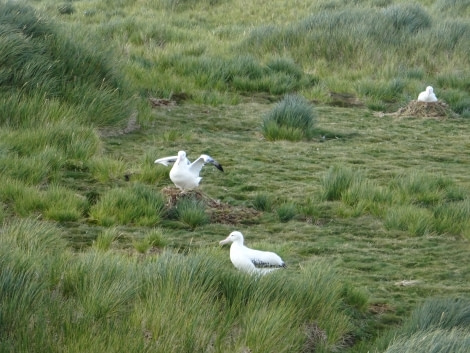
371, 213
137, 204
191, 212
292, 119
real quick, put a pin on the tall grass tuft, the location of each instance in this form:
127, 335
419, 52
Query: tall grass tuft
437, 325
136, 204
23, 200
453, 218
105, 239
42, 58
64, 205
438, 341
263, 202
29, 250
152, 239
366, 196
442, 313
415, 202
337, 181
287, 211
415, 220
191, 212
409, 18
292, 119
422, 189
101, 284
106, 169
68, 140
33, 238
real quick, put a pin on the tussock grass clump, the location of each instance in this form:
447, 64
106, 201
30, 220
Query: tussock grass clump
407, 17
453, 218
136, 204
287, 211
101, 284
54, 202
106, 169
415, 202
64, 205
66, 8
42, 167
32, 237
169, 303
191, 211
442, 313
105, 239
413, 219
382, 91
263, 202
452, 8
29, 250
439, 341
73, 141
151, 239
263, 314
309, 208
180, 5
292, 119
40, 58
241, 73
337, 181
437, 325
420, 188
21, 198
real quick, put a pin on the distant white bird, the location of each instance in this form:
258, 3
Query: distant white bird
184, 174
250, 260
427, 96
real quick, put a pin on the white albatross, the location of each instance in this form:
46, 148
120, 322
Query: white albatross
184, 174
427, 96
250, 260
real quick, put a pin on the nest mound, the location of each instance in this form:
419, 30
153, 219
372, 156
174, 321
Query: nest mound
434, 110
218, 211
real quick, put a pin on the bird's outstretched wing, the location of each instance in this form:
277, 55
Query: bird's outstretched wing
197, 165
166, 160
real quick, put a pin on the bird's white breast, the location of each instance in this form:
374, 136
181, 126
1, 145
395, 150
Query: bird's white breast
182, 176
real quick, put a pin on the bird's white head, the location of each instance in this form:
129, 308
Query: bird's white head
181, 156
429, 89
234, 237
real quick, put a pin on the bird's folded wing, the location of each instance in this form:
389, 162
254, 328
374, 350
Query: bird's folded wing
264, 258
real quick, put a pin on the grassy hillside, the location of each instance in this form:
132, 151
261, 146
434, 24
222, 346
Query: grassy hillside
369, 210
381, 52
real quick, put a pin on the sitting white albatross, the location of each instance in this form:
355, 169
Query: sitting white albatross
427, 96
184, 174
250, 260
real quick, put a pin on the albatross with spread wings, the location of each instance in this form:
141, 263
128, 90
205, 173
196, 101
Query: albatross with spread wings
184, 174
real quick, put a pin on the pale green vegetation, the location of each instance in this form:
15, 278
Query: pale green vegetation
291, 119
191, 212
371, 214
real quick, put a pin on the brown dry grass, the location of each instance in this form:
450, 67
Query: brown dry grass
432, 110
218, 211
